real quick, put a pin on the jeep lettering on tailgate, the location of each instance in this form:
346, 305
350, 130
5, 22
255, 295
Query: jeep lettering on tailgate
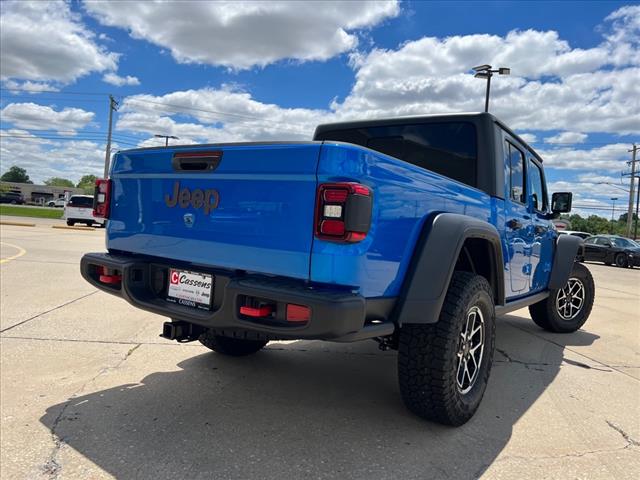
207, 200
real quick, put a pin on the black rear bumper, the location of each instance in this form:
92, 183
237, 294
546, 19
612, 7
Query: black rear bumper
335, 314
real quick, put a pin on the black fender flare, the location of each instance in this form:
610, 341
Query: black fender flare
567, 247
433, 262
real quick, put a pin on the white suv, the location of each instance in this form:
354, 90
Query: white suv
79, 209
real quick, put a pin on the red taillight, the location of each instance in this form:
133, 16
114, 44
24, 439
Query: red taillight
102, 198
343, 212
298, 313
332, 227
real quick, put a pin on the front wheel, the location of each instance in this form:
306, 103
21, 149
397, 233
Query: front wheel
566, 309
234, 347
443, 367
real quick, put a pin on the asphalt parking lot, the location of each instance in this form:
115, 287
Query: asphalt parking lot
89, 390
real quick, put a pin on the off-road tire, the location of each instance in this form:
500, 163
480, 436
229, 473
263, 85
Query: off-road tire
427, 355
70, 223
621, 260
545, 313
234, 347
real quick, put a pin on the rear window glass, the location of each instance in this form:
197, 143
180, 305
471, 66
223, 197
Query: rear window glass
81, 202
449, 149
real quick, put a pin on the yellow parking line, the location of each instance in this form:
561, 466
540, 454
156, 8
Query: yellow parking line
21, 252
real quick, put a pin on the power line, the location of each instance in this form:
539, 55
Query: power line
70, 139
215, 112
58, 92
53, 131
52, 99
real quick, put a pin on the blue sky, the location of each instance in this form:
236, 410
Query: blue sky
209, 72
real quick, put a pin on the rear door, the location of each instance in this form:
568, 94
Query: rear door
246, 206
518, 224
592, 251
543, 233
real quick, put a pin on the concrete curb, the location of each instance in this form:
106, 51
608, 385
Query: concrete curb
67, 227
18, 224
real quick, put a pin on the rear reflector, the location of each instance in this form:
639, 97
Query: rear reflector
109, 276
263, 311
102, 198
343, 212
298, 313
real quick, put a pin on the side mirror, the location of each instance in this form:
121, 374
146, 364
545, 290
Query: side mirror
561, 202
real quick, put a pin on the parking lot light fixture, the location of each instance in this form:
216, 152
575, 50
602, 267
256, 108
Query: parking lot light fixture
485, 71
166, 138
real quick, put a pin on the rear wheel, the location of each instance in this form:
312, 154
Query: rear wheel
234, 347
71, 223
621, 260
443, 367
566, 309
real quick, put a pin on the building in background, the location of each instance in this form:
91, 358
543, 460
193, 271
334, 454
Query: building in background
39, 194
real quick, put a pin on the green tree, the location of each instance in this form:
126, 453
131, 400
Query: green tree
87, 183
16, 174
58, 182
623, 218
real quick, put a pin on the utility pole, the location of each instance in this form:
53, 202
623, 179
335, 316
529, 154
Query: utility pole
635, 229
113, 106
633, 184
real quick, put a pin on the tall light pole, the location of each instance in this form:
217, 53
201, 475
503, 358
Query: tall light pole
166, 138
485, 71
613, 208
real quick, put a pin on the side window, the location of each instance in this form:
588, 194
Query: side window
515, 162
602, 241
590, 240
538, 193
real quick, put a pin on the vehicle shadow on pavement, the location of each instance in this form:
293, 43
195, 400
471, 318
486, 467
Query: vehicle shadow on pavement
302, 409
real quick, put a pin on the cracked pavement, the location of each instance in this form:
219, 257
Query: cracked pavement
89, 390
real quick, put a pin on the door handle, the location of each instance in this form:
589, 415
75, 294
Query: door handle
514, 224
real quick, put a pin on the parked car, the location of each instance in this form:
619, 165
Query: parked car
612, 249
79, 209
575, 233
11, 197
413, 232
58, 202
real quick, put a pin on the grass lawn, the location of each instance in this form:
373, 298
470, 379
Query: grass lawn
39, 212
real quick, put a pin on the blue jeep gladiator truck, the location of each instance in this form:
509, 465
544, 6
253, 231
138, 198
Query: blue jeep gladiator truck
416, 232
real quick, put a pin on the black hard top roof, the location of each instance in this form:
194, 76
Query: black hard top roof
475, 117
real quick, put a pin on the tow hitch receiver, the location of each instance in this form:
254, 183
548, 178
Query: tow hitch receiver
181, 331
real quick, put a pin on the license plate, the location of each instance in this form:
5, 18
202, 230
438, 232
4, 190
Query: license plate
191, 289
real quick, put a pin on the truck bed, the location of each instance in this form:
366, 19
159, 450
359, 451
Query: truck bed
263, 220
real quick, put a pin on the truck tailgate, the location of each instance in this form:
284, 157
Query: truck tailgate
253, 210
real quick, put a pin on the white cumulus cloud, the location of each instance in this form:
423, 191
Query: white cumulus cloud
32, 116
567, 137
45, 41
118, 81
240, 35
